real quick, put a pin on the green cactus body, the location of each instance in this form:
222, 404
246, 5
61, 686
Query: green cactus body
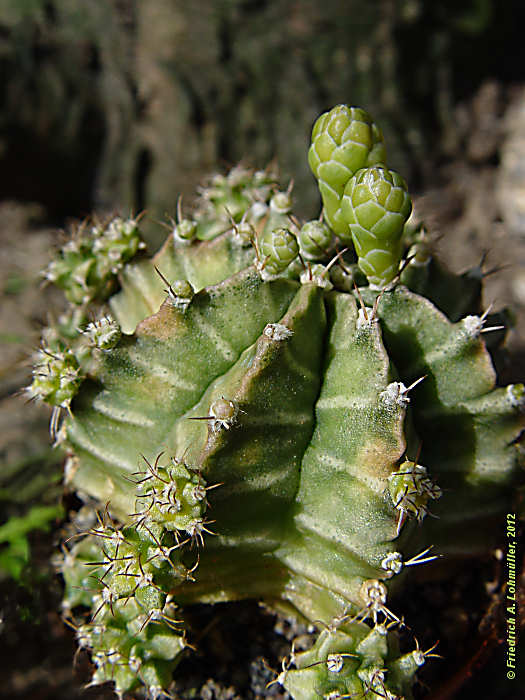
461, 400
353, 661
134, 631
264, 430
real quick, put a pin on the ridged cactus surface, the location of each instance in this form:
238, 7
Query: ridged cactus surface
257, 413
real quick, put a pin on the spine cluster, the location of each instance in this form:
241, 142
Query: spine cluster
123, 574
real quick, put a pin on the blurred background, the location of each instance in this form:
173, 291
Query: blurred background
119, 106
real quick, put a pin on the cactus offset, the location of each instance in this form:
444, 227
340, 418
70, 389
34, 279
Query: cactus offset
376, 207
272, 425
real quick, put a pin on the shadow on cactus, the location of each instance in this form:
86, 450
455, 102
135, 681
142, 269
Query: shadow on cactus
296, 412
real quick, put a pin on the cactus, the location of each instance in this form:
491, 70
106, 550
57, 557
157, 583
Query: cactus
259, 413
376, 206
344, 140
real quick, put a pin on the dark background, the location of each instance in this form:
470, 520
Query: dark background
123, 104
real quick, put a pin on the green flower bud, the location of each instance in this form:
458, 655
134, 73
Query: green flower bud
376, 205
278, 249
344, 140
315, 239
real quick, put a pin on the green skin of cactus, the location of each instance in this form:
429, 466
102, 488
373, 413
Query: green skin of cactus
344, 140
289, 403
376, 206
334, 672
278, 410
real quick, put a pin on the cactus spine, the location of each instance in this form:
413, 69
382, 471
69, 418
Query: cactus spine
272, 425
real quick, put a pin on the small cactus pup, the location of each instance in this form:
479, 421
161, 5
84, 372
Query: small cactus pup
376, 206
344, 140
298, 412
